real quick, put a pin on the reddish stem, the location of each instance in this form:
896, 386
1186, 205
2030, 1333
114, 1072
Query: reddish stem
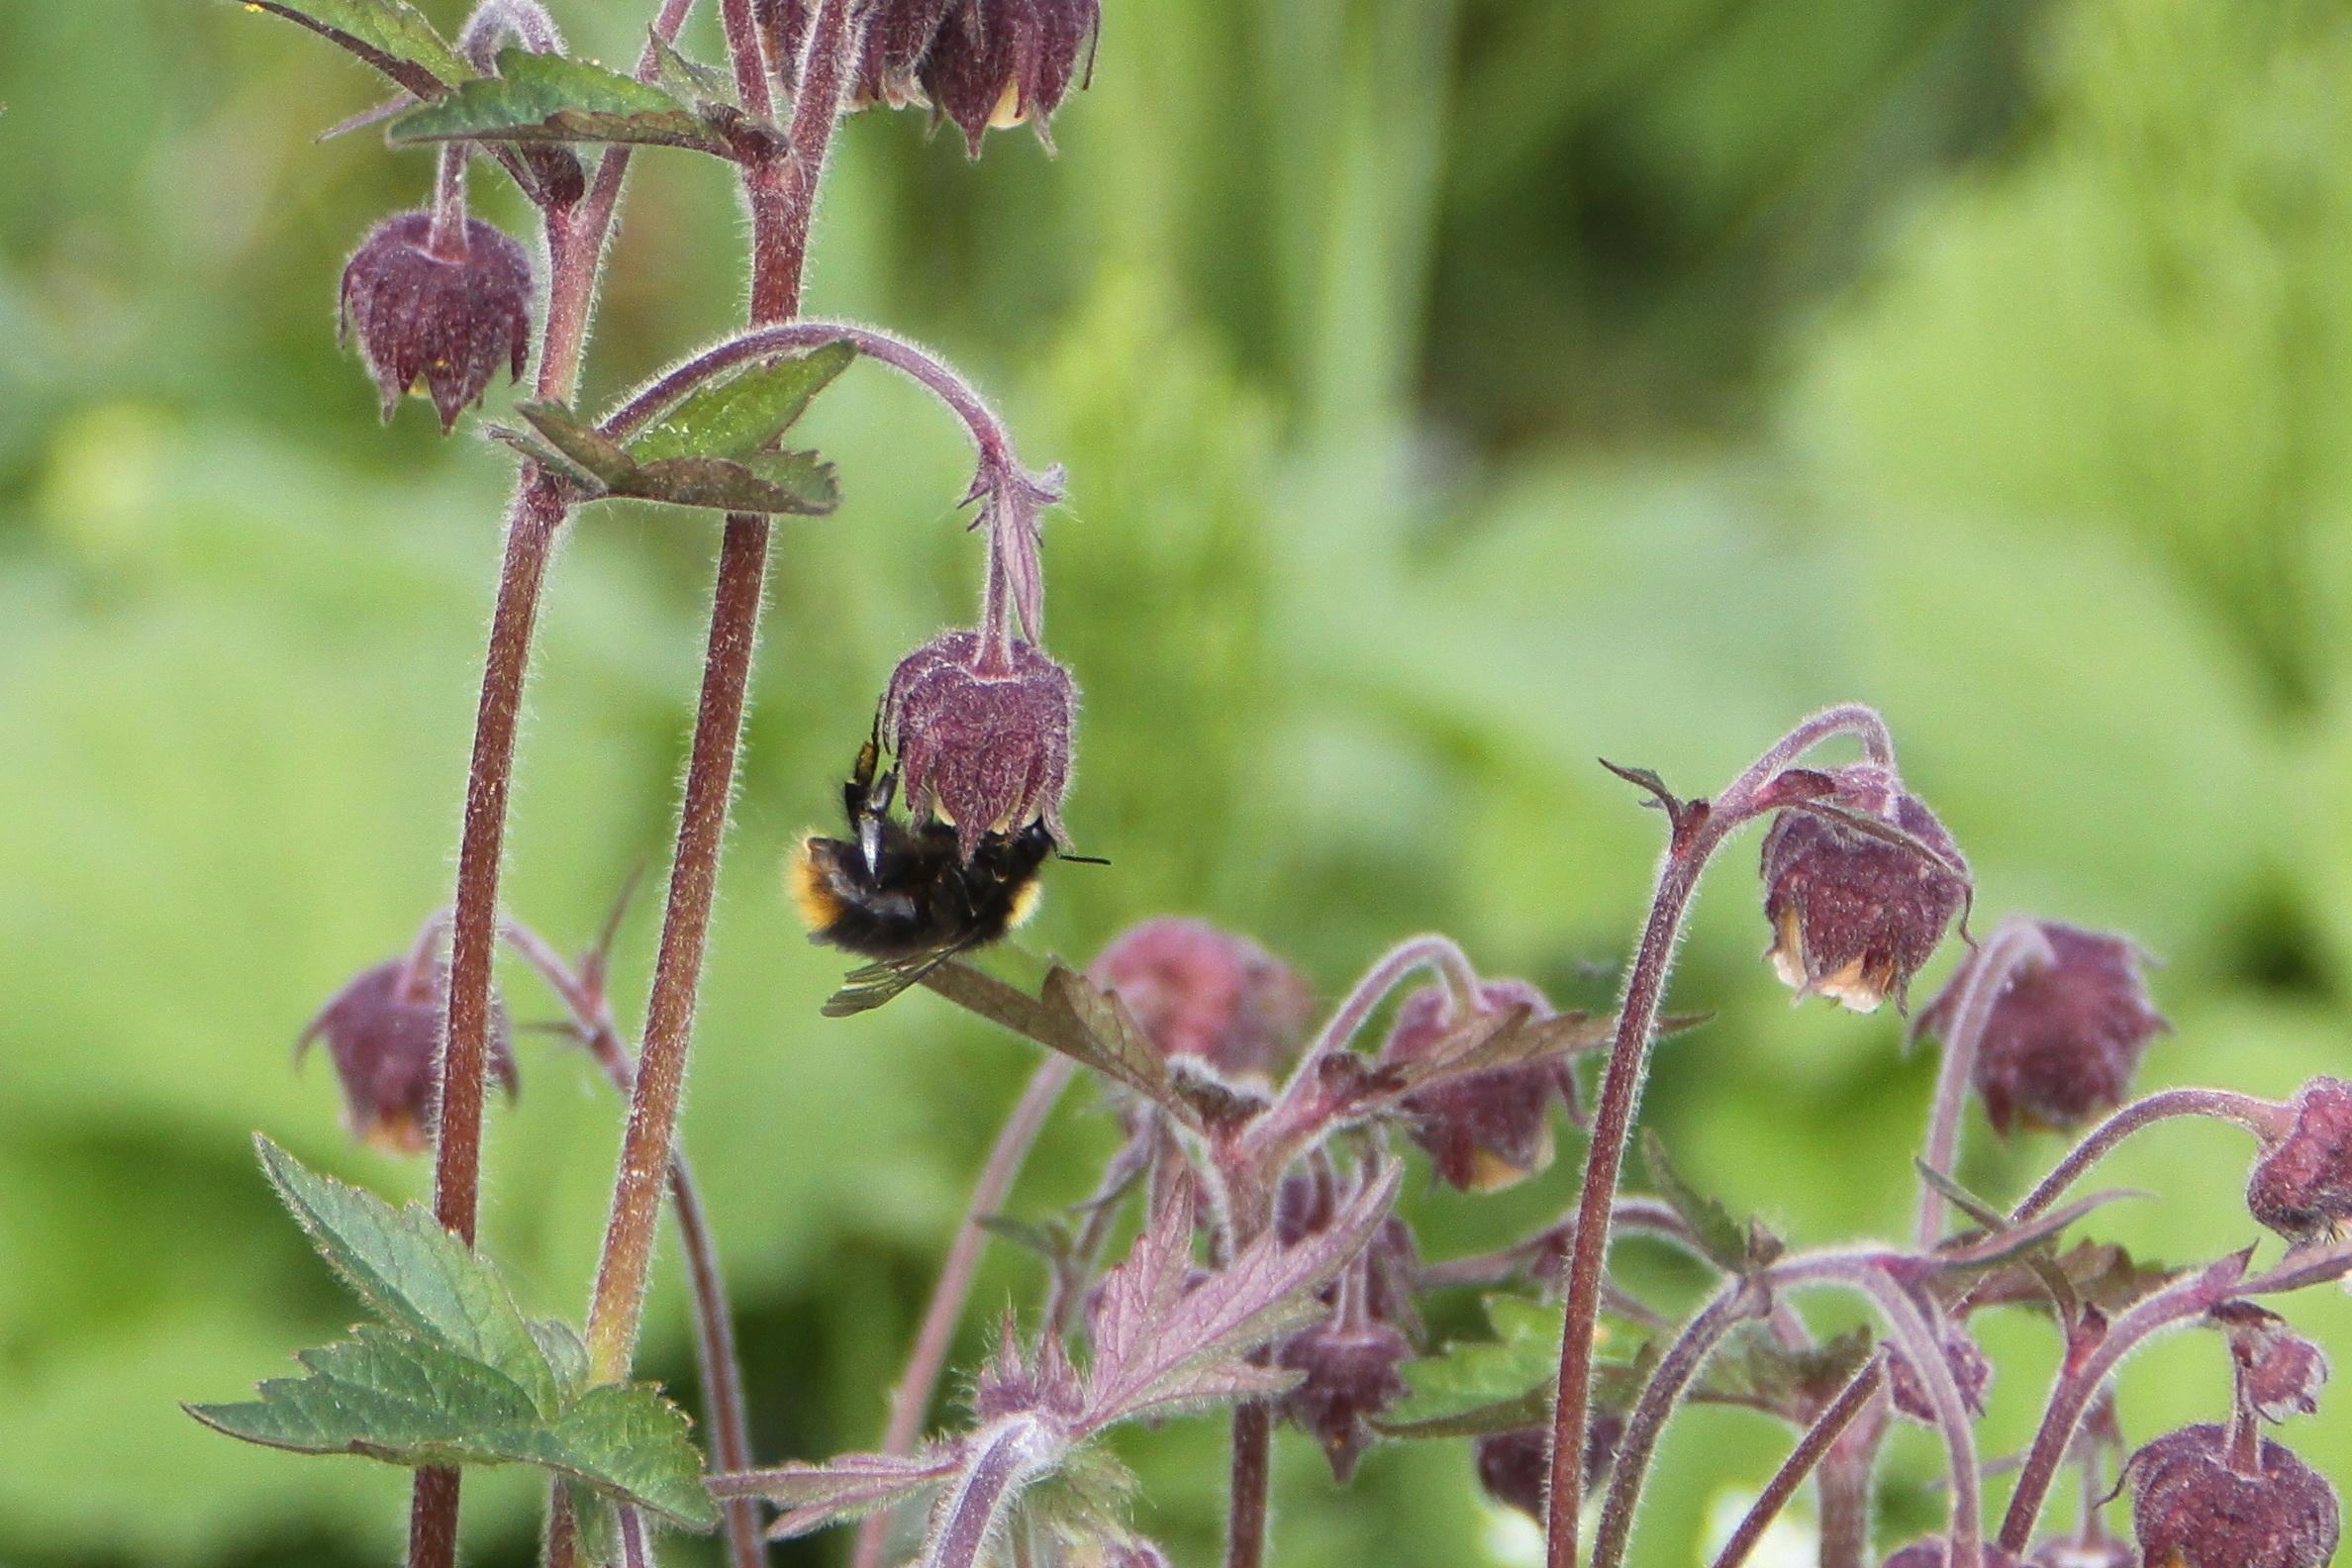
2015, 943
1697, 832
913, 1397
1826, 1428
1248, 1484
2265, 1119
447, 238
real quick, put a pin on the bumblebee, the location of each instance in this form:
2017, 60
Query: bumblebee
901, 894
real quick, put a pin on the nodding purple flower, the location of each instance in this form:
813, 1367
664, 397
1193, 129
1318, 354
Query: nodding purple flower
1305, 1205
2066, 1034
985, 748
448, 315
1972, 1374
1483, 1130
2301, 1186
2279, 1372
1350, 1375
2195, 1503
1514, 1467
997, 64
1208, 994
1855, 914
383, 1033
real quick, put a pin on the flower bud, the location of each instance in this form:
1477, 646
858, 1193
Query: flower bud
2191, 1509
1352, 1374
1855, 916
449, 318
1514, 1467
2301, 1186
2279, 1372
1972, 1373
1484, 1131
2065, 1035
1201, 992
987, 752
383, 1033
995, 64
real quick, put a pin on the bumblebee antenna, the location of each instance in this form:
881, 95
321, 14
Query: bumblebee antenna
1083, 859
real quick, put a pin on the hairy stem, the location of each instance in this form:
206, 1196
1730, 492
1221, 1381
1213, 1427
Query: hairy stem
1737, 1302
1005, 1459
1249, 1483
1826, 1428
2014, 945
2178, 1303
913, 1395
447, 238
719, 1366
1699, 831
746, 52
783, 244
2265, 1119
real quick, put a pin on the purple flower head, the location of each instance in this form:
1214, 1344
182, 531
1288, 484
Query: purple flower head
1972, 1373
1514, 1467
1854, 915
2192, 1509
2279, 1372
383, 1033
1201, 992
1484, 1131
2066, 1034
2301, 1186
995, 64
987, 751
1352, 1375
446, 317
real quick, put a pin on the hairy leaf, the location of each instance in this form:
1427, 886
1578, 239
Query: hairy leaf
1157, 1344
393, 36
577, 444
1725, 1242
548, 98
1754, 1367
815, 1496
743, 414
409, 1400
414, 1274
799, 483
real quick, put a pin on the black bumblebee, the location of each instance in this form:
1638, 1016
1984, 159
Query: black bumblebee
901, 894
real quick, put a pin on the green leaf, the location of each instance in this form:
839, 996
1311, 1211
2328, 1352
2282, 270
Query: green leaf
744, 414
388, 34
1729, 1245
1505, 1383
578, 443
414, 1274
1755, 1368
548, 98
800, 484
689, 81
408, 1399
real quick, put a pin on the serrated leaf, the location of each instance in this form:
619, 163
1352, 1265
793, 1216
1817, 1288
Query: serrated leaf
414, 1274
745, 414
798, 484
688, 80
815, 1496
1158, 1344
408, 1399
549, 98
1106, 1035
388, 34
1722, 1240
581, 445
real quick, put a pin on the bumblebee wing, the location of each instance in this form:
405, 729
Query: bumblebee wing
865, 989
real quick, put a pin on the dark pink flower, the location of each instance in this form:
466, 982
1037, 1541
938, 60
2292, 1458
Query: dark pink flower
2301, 1186
2191, 1509
446, 317
1206, 992
1484, 1131
1854, 916
383, 1033
986, 750
1514, 1467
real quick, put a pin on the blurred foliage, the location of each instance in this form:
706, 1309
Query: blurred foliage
1453, 390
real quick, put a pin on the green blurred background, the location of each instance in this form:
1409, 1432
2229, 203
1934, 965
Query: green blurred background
1452, 391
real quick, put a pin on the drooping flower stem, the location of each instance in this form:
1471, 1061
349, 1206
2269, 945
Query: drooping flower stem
625, 1263
2014, 943
913, 1395
447, 238
2265, 1119
1697, 830
2077, 1384
1818, 1438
